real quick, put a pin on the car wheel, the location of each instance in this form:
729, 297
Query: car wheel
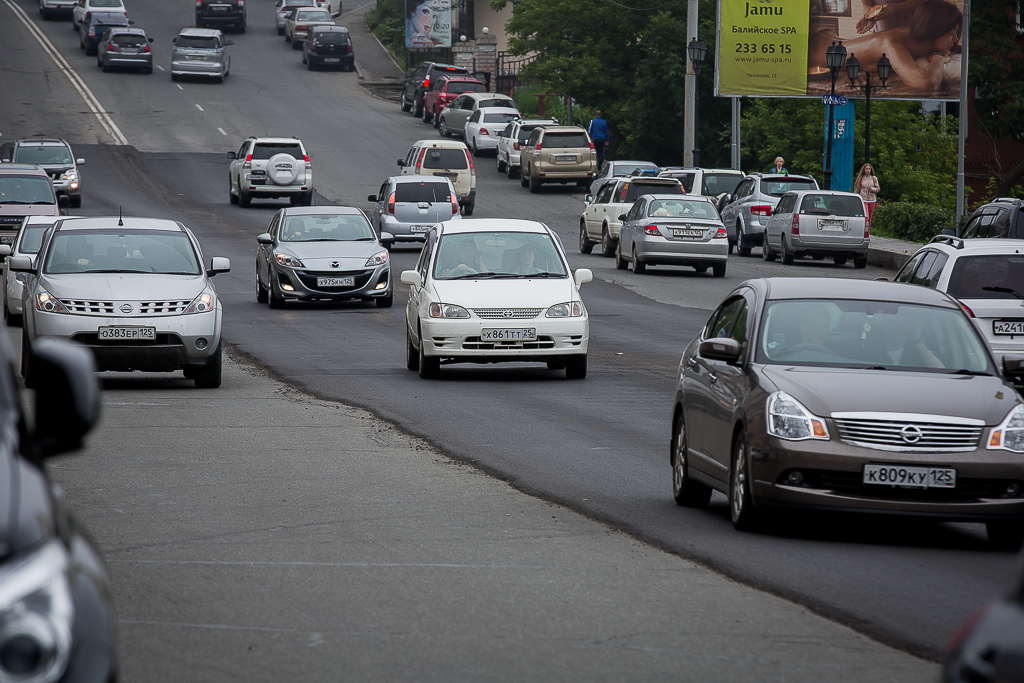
638, 265
232, 197
731, 246
718, 270
434, 120
534, 184
442, 128
467, 209
261, 294
304, 60
11, 319
586, 246
701, 269
412, 356
860, 262
430, 366
405, 106
524, 180
148, 70
296, 45
241, 27
418, 112
766, 251
26, 358
287, 38
386, 301
273, 300
742, 244
620, 263
499, 163
607, 243
557, 364
511, 171
686, 491
280, 31
839, 260
244, 198
209, 376
741, 502
174, 77
306, 199
76, 201
427, 116
576, 367
786, 257
1007, 535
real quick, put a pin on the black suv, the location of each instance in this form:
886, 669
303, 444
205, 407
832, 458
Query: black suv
418, 82
221, 13
1003, 217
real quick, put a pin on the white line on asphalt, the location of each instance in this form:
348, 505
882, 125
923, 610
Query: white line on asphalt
217, 627
199, 108
159, 67
179, 86
90, 100
260, 563
222, 132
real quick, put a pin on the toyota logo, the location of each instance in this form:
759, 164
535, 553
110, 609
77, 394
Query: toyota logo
335, 264
911, 433
126, 308
507, 313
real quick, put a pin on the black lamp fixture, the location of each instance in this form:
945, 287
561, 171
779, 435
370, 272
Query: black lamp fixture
835, 55
698, 50
853, 73
835, 58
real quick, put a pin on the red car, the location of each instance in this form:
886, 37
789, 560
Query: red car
444, 91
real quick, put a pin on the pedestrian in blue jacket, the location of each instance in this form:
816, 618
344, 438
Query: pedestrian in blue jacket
598, 131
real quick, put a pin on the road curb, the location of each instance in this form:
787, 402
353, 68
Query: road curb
888, 259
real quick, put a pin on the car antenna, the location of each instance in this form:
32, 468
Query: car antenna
120, 222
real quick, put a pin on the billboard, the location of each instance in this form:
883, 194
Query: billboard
428, 23
776, 48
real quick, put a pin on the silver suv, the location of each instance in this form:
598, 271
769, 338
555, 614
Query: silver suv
55, 157
265, 168
748, 209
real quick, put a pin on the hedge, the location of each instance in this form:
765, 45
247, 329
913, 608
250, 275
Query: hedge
910, 221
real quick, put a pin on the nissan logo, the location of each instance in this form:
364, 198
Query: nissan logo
507, 313
126, 308
335, 264
911, 433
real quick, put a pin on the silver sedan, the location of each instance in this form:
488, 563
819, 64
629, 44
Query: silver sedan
673, 230
322, 253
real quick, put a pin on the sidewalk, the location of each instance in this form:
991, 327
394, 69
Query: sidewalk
890, 253
378, 72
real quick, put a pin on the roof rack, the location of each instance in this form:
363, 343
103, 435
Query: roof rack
1007, 199
955, 242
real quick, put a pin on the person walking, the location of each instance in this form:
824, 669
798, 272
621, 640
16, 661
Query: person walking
866, 185
779, 167
598, 131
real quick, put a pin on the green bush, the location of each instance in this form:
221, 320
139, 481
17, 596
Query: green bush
528, 104
910, 221
387, 21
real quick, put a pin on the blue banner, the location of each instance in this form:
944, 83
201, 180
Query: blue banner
842, 146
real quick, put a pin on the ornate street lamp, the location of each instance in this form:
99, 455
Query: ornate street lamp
852, 72
835, 58
698, 51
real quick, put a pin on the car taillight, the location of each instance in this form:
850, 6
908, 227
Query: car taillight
110, 46
537, 147
867, 230
199, 2
721, 234
419, 160
470, 160
761, 211
515, 145
391, 204
455, 204
967, 309
426, 82
313, 45
92, 31
651, 230
146, 48
484, 131
248, 161
591, 145
795, 227
301, 28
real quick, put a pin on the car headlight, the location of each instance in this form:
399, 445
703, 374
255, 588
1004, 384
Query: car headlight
788, 419
204, 303
288, 260
570, 309
447, 311
69, 175
378, 259
49, 303
1009, 435
36, 613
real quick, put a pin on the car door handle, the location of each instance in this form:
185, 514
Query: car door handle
712, 377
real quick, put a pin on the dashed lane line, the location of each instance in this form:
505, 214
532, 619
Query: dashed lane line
76, 81
200, 108
179, 86
222, 131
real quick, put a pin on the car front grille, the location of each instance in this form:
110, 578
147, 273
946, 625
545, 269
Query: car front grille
507, 313
11, 221
84, 307
478, 344
162, 307
908, 433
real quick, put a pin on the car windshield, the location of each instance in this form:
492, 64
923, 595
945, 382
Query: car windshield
500, 117
717, 183
312, 16
486, 255
495, 103
422, 192
682, 208
871, 335
445, 158
19, 189
630, 192
832, 205
565, 140
265, 150
32, 238
121, 251
197, 42
461, 87
44, 154
328, 227
993, 276
780, 186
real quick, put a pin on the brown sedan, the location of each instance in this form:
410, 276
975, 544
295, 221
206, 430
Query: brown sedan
849, 395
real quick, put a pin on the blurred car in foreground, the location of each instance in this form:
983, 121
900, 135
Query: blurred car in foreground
989, 646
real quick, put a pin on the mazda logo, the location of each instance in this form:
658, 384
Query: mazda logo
335, 264
126, 308
507, 313
911, 433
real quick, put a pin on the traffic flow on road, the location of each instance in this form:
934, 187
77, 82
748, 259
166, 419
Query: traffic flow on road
562, 336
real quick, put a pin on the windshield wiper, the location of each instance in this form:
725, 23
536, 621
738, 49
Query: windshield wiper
1004, 290
874, 367
116, 270
482, 276
973, 373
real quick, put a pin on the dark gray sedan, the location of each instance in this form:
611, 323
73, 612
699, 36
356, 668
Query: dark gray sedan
125, 48
822, 393
322, 253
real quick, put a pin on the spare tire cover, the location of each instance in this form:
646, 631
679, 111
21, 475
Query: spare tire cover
283, 169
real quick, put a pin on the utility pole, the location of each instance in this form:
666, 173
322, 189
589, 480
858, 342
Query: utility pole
690, 89
963, 114
734, 155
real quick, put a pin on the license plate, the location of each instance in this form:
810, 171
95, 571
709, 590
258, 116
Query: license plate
332, 60
831, 224
565, 157
335, 282
687, 232
255, 176
420, 228
195, 58
130, 50
505, 334
220, 8
910, 477
127, 333
998, 326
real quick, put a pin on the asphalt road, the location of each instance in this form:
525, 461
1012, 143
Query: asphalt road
599, 446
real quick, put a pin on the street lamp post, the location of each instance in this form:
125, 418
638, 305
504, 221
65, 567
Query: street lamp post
698, 50
835, 58
852, 71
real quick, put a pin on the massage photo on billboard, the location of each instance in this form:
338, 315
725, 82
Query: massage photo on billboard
428, 23
776, 48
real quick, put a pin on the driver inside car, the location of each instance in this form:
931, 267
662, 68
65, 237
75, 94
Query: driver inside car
470, 261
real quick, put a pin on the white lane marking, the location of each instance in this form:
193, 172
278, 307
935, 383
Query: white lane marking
199, 108
179, 86
90, 100
222, 131
160, 67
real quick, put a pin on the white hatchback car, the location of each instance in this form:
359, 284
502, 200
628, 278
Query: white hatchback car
493, 290
985, 275
485, 125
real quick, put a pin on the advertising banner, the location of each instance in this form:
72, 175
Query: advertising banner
776, 48
428, 23
842, 146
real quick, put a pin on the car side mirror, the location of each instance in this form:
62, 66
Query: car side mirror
401, 162
588, 198
622, 217
5, 250
371, 197
881, 279
218, 264
386, 238
174, 40
232, 155
63, 201
20, 264
265, 238
949, 231
582, 276
411, 277
131, 22
721, 348
152, 40
1013, 366
79, 161
67, 396
335, 15
229, 42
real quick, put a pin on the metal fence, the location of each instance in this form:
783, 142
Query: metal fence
507, 79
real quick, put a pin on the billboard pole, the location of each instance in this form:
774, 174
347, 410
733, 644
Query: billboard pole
963, 113
690, 88
735, 147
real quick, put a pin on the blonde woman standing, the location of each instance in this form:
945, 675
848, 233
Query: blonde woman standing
866, 185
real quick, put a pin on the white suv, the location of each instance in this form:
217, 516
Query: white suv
264, 168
